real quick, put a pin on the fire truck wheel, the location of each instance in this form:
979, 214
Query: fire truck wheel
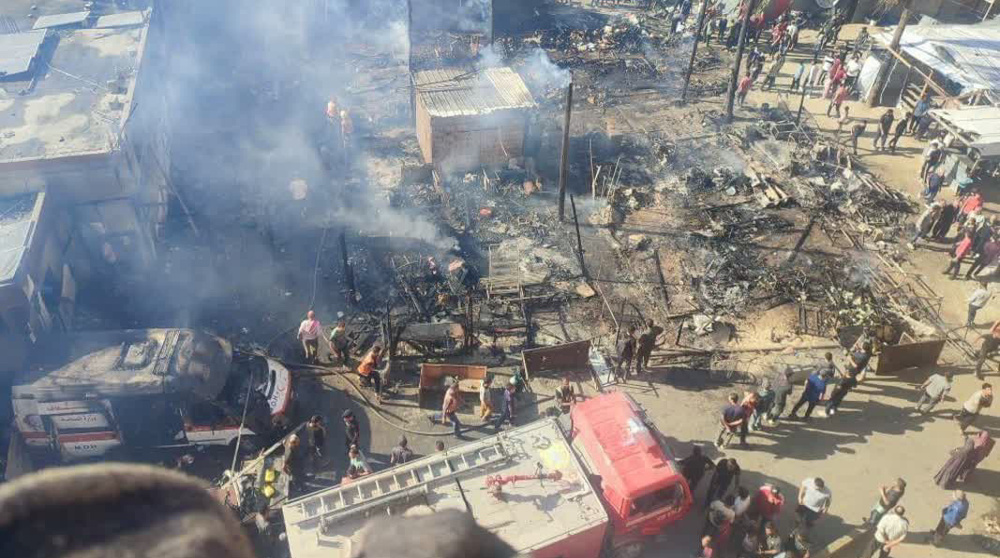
629, 550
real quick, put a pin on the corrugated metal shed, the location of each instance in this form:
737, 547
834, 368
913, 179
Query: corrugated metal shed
455, 92
980, 125
124, 19
60, 20
17, 50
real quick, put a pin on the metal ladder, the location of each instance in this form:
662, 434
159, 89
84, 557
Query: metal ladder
399, 480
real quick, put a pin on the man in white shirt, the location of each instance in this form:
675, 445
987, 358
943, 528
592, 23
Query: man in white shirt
933, 391
971, 408
977, 300
814, 500
890, 531
309, 331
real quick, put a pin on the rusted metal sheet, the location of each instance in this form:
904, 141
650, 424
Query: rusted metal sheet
568, 356
909, 354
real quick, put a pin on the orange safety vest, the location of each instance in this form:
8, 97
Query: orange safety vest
368, 364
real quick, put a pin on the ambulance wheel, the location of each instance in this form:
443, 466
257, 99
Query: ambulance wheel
629, 550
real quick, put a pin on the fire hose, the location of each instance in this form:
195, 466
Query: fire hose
495, 483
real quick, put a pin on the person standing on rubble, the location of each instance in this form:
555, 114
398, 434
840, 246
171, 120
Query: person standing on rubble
884, 128
369, 369
309, 331
743, 89
626, 352
959, 251
339, 343
815, 387
645, 345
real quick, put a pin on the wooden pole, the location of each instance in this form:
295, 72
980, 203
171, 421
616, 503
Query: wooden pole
740, 45
694, 50
564, 158
579, 241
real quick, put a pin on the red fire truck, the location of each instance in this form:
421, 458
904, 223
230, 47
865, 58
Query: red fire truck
601, 487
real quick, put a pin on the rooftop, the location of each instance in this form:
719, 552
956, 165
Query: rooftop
17, 225
327, 523
457, 92
75, 98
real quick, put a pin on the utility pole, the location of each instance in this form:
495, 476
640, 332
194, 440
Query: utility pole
694, 50
735, 77
564, 158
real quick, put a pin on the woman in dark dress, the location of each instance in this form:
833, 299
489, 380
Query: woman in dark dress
957, 465
982, 445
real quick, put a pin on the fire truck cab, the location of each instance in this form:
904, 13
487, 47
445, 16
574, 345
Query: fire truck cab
634, 470
598, 489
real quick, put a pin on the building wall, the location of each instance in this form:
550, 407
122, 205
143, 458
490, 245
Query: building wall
467, 142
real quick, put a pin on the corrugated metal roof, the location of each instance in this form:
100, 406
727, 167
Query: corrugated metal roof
18, 50
982, 123
124, 19
455, 92
59, 20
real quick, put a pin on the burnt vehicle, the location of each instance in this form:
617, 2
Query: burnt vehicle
116, 393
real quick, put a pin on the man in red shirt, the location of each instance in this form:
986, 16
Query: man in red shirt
838, 99
743, 89
768, 502
962, 249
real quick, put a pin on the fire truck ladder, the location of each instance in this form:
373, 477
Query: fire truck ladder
401, 481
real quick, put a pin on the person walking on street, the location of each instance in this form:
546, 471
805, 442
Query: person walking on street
977, 300
352, 431
884, 127
316, 436
888, 497
309, 331
987, 258
898, 133
645, 345
485, 399
798, 75
815, 388
727, 472
449, 409
925, 222
782, 386
626, 352
961, 249
507, 408
889, 533
919, 111
857, 131
989, 346
970, 204
401, 453
842, 121
694, 467
814, 501
931, 158
933, 391
768, 502
952, 516
981, 399
932, 185
838, 99
857, 365
732, 420
773, 70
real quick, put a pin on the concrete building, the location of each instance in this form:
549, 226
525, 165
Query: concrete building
83, 140
466, 120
